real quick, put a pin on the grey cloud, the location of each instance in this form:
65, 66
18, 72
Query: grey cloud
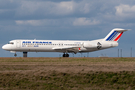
35, 9
9, 4
45, 9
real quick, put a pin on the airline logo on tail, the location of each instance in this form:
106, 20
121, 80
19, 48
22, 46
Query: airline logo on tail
114, 36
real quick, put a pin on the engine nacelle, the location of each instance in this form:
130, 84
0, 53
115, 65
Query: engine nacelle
100, 45
90, 45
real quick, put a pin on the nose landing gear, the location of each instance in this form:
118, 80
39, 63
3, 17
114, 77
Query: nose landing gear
65, 55
15, 54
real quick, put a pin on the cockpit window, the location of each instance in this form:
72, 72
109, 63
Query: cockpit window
11, 43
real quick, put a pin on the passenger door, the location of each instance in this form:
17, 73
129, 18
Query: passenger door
18, 43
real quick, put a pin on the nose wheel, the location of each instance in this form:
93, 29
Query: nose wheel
65, 55
15, 54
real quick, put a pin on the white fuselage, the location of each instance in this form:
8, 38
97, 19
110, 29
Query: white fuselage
64, 46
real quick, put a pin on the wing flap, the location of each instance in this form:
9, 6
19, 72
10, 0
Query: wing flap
68, 49
13, 51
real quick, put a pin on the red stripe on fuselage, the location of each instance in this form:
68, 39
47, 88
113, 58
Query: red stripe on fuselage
118, 37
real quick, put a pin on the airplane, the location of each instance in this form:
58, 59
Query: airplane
64, 46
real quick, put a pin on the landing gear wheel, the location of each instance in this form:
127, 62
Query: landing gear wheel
65, 55
15, 54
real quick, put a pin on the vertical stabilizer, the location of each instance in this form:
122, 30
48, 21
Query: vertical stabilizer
115, 34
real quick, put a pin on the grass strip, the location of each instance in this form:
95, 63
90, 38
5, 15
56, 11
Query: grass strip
58, 81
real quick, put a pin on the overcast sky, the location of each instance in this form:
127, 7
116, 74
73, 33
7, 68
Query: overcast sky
67, 20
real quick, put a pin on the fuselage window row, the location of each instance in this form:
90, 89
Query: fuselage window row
52, 44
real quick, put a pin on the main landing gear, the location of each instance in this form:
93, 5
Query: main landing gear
65, 55
24, 54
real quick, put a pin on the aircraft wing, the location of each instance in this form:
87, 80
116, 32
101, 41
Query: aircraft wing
68, 49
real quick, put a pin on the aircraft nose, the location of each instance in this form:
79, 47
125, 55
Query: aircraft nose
5, 47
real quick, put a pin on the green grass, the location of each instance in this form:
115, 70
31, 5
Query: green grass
66, 81
49, 74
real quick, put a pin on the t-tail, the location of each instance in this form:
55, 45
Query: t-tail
115, 34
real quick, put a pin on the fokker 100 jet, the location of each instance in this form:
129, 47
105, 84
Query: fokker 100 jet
64, 46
